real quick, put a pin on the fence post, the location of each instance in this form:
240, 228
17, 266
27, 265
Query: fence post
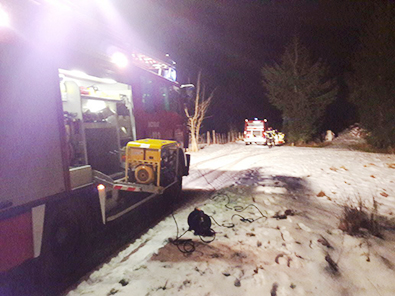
208, 138
214, 138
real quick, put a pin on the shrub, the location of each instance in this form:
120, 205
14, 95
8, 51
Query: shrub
357, 218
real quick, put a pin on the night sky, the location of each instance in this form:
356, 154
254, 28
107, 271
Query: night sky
230, 41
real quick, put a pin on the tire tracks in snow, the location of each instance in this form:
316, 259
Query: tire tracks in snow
220, 176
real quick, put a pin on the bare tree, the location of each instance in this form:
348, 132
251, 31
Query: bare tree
196, 113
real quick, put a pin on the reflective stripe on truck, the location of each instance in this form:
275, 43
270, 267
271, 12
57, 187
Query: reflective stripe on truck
38, 214
127, 188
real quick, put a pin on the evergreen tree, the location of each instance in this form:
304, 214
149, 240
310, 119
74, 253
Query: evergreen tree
300, 89
372, 83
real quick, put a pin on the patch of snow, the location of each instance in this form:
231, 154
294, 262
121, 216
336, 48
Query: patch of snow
259, 249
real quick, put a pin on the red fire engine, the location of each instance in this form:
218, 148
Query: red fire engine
254, 131
70, 103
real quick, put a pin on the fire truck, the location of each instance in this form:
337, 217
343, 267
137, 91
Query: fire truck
88, 133
254, 131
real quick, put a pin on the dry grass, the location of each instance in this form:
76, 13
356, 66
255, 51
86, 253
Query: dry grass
358, 219
311, 144
371, 149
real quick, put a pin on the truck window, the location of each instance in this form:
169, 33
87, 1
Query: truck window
164, 97
174, 101
169, 98
147, 92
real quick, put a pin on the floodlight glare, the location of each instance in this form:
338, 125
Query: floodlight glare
4, 18
119, 59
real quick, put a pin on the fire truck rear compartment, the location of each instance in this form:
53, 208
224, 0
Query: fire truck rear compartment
98, 120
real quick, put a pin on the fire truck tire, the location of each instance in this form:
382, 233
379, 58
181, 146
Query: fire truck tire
64, 244
65, 235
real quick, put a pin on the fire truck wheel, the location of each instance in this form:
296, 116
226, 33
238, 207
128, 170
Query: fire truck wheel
65, 235
64, 244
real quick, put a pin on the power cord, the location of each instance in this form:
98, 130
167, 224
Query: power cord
238, 209
187, 246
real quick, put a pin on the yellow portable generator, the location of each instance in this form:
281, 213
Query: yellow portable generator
151, 161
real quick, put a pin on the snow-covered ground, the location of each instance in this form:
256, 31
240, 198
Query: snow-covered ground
304, 253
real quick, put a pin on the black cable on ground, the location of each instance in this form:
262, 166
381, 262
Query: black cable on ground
242, 219
238, 209
185, 246
241, 209
206, 179
209, 241
214, 197
231, 225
